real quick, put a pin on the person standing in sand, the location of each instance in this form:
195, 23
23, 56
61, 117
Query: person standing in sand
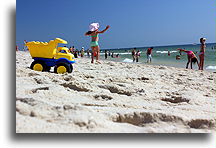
149, 54
94, 32
191, 57
109, 53
25, 47
17, 49
137, 56
88, 53
82, 52
134, 54
202, 53
105, 54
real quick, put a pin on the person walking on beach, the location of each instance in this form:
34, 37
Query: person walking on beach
88, 53
149, 54
82, 52
134, 54
70, 50
25, 47
137, 56
94, 32
191, 57
109, 54
202, 53
73, 49
105, 54
17, 49
76, 54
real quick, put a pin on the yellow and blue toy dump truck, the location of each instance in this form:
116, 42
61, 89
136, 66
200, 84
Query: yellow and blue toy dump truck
47, 55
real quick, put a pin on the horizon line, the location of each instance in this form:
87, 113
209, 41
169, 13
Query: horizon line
155, 46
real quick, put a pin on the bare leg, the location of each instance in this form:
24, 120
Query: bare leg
187, 64
201, 62
92, 55
189, 60
98, 53
198, 64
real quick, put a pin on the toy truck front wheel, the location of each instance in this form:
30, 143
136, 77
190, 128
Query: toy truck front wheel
38, 66
61, 68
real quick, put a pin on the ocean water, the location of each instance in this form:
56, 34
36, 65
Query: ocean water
160, 55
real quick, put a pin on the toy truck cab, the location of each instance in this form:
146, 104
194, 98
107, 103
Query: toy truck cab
47, 55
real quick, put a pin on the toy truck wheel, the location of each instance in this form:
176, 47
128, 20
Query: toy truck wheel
38, 66
71, 67
62, 68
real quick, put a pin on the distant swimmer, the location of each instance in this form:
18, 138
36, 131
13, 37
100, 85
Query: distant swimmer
112, 55
191, 57
168, 53
178, 57
117, 55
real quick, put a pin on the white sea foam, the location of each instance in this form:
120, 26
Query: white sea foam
165, 51
127, 60
211, 67
123, 53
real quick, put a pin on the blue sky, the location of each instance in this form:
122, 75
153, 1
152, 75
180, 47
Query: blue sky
134, 23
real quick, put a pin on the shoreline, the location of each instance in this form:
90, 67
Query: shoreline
114, 97
150, 64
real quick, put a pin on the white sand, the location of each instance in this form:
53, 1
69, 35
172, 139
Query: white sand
113, 97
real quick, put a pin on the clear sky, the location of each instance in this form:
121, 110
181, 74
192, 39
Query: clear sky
134, 23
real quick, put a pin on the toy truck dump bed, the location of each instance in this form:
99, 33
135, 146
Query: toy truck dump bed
44, 49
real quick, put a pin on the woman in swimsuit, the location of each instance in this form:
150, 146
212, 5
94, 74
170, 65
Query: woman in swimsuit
191, 57
94, 32
202, 53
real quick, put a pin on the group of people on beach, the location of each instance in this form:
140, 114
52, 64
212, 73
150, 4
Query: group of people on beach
95, 49
136, 55
111, 54
94, 32
78, 53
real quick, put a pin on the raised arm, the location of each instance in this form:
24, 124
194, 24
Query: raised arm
107, 27
182, 49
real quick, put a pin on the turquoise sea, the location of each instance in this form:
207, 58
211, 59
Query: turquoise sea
160, 55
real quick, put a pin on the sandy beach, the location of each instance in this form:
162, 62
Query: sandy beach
114, 97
